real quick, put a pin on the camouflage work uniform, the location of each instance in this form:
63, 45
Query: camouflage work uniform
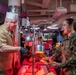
71, 61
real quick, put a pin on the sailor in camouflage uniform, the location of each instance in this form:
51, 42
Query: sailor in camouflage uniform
70, 63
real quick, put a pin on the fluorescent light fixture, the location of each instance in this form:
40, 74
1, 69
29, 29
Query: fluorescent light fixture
51, 27
35, 28
54, 25
45, 29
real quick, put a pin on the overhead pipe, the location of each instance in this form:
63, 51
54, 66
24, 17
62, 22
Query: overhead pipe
60, 3
56, 3
72, 1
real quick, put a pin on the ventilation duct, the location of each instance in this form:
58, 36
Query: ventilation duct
59, 11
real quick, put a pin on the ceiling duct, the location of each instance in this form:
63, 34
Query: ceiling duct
59, 11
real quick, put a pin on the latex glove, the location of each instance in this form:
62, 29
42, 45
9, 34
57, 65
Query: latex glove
23, 50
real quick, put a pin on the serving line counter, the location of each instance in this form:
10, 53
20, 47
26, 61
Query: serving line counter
40, 67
